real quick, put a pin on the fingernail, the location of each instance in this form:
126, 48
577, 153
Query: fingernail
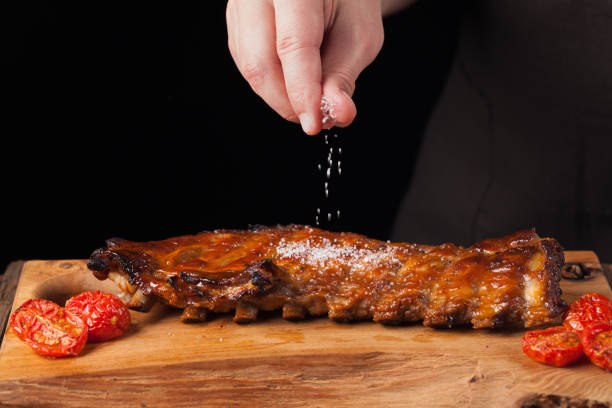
307, 122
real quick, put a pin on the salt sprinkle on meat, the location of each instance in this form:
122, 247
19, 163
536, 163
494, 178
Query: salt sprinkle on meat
324, 253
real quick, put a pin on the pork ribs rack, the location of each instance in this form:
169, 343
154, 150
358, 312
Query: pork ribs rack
509, 281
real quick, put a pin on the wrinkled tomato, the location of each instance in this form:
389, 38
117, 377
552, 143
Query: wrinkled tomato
556, 346
590, 308
597, 343
104, 314
49, 329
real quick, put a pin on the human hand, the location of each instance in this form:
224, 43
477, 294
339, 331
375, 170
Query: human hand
293, 52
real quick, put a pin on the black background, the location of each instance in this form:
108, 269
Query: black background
131, 120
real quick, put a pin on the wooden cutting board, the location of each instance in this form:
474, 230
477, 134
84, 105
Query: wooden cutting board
273, 362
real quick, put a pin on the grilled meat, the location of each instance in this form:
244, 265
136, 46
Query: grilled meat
509, 281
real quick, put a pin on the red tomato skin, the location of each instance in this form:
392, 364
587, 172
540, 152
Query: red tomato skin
597, 343
49, 329
543, 346
590, 308
104, 314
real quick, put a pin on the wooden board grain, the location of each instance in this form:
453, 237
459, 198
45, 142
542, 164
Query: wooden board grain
273, 362
8, 287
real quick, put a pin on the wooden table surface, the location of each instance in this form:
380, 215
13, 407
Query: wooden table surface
9, 280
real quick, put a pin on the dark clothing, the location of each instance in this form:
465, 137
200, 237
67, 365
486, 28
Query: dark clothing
522, 134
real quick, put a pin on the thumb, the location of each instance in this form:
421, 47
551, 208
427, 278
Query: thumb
349, 47
338, 88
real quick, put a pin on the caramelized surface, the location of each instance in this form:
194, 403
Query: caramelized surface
512, 280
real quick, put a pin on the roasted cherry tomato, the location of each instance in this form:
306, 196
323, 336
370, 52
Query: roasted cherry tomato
597, 343
590, 308
104, 314
556, 346
49, 329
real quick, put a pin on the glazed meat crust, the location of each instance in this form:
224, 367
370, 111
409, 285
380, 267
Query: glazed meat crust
509, 281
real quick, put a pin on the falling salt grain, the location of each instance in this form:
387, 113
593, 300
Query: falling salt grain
328, 120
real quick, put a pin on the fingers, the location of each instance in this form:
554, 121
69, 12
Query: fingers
299, 33
277, 46
251, 40
350, 46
